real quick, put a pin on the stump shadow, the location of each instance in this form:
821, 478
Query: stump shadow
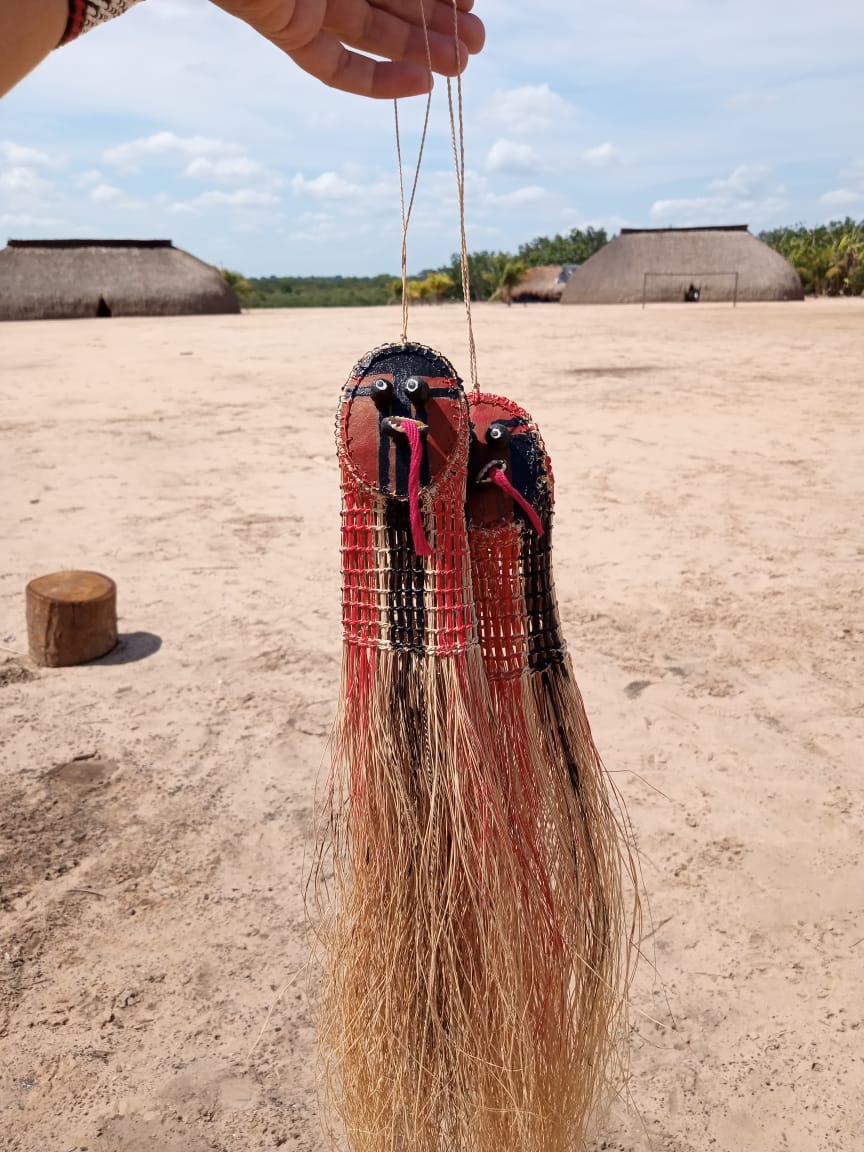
131, 647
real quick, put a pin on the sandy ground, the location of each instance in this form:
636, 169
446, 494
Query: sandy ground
156, 807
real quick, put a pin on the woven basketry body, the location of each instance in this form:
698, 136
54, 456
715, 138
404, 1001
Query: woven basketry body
392, 598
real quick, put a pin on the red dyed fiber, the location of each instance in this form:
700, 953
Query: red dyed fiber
498, 477
421, 544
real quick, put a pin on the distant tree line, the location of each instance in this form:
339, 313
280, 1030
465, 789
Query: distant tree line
493, 276
316, 291
829, 259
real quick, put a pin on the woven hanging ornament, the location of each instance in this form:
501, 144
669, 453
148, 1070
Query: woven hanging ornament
565, 819
427, 1020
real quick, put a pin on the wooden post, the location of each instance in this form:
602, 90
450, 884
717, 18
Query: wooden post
71, 618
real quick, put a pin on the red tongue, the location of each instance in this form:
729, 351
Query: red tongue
498, 477
418, 532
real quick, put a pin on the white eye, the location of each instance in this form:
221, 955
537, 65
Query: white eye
498, 434
382, 393
417, 390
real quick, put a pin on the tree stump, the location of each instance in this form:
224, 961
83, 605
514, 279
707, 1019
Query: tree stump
71, 618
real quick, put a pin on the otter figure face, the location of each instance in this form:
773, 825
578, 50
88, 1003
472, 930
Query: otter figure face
504, 437
397, 384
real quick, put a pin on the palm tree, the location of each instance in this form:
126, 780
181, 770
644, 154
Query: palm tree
439, 284
846, 275
829, 259
239, 283
507, 275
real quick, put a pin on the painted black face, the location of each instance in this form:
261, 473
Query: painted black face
399, 379
404, 382
502, 437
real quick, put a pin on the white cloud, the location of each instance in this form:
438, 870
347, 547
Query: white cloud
27, 220
132, 153
528, 110
508, 156
842, 198
746, 196
16, 154
700, 205
316, 226
22, 181
720, 210
531, 194
242, 198
339, 212
88, 178
223, 168
327, 186
746, 180
851, 193
105, 194
335, 187
603, 156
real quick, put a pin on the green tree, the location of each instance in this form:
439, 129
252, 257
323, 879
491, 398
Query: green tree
237, 281
322, 291
484, 269
576, 247
829, 258
440, 285
507, 274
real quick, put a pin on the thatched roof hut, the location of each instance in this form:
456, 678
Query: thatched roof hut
543, 284
664, 264
72, 279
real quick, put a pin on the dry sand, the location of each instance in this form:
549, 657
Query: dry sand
156, 807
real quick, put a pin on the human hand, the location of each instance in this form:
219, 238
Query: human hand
319, 36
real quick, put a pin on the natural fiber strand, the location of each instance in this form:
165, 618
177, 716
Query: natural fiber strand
564, 809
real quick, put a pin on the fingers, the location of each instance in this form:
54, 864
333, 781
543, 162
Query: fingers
327, 38
370, 28
440, 18
329, 61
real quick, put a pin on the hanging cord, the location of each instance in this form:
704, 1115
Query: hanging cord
458, 139
406, 216
457, 135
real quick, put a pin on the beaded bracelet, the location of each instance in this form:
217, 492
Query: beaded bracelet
86, 14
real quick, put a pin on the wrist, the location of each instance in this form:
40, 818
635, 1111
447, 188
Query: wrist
29, 30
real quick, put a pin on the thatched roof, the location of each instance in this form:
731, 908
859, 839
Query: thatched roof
543, 284
71, 279
675, 259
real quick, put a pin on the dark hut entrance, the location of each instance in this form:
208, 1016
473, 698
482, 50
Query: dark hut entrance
103, 309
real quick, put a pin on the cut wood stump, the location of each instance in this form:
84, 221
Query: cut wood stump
71, 618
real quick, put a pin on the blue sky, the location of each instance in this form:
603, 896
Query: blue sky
177, 121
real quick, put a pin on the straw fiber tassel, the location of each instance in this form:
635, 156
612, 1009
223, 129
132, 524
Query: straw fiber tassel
562, 806
425, 1031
